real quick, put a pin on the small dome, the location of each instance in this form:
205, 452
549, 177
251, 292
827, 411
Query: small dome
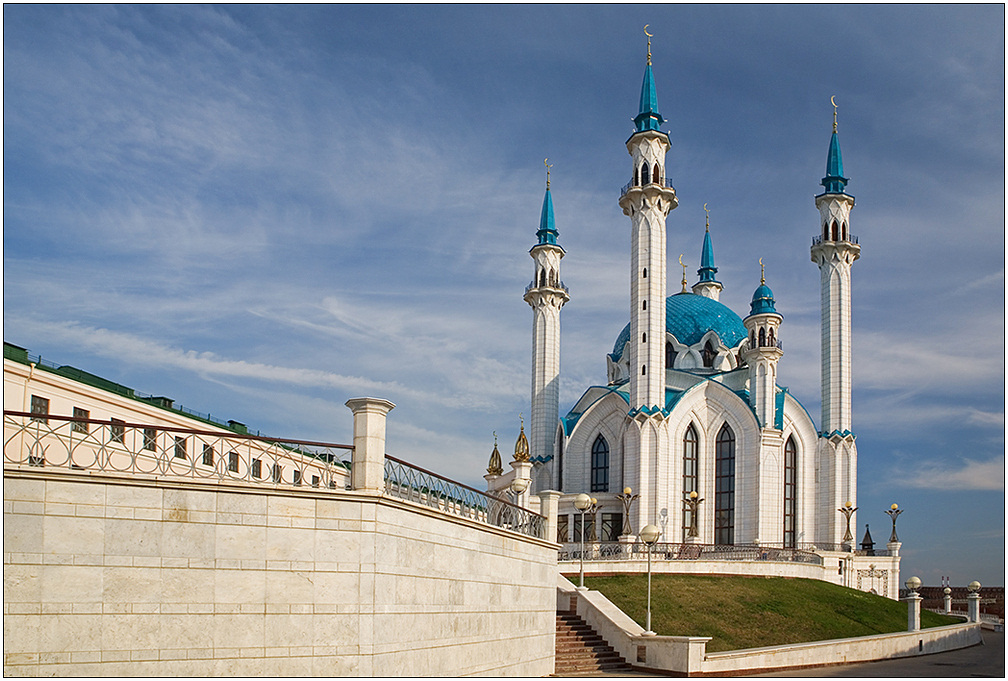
688, 317
762, 301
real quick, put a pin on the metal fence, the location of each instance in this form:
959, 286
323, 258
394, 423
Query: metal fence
36, 440
406, 481
668, 551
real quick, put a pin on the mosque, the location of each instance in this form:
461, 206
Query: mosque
691, 405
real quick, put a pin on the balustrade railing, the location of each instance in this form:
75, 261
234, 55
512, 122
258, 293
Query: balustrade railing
64, 442
664, 183
406, 481
816, 240
557, 287
670, 551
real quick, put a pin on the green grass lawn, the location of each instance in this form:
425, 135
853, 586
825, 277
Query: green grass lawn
750, 612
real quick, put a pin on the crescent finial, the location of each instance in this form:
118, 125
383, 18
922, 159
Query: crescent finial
708, 216
548, 166
683, 273
649, 36
762, 279
833, 102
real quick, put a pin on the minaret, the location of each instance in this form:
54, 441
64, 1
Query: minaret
834, 250
763, 325
647, 200
546, 295
708, 286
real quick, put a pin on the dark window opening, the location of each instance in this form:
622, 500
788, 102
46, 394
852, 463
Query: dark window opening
670, 355
656, 176
644, 175
790, 492
708, 355
762, 337
79, 426
117, 431
600, 465
39, 409
836, 231
643, 338
724, 487
691, 461
233, 462
180, 447
150, 439
208, 455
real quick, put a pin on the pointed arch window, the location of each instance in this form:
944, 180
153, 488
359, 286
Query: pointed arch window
644, 306
643, 338
762, 337
724, 486
790, 492
600, 465
691, 460
709, 353
770, 338
825, 231
670, 355
843, 230
636, 177
645, 273
836, 231
656, 175
645, 179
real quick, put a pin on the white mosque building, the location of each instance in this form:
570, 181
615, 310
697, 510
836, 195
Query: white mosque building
691, 402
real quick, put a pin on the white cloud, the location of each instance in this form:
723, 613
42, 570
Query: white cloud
960, 476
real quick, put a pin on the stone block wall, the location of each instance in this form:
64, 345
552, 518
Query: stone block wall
109, 575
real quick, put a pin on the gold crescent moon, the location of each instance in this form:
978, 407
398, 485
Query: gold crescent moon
761, 262
645, 31
680, 260
833, 101
705, 208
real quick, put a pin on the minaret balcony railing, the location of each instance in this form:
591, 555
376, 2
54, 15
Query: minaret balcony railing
851, 239
629, 185
558, 287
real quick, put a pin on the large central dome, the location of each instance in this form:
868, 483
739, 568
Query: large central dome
688, 317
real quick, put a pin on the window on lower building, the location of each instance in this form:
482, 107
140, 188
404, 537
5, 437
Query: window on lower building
724, 487
589, 526
117, 431
691, 459
790, 492
277, 473
39, 409
233, 462
150, 439
314, 481
256, 468
80, 426
180, 447
612, 526
563, 529
600, 465
208, 455
297, 478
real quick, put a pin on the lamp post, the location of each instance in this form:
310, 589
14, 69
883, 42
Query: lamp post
913, 604
517, 488
848, 510
582, 502
893, 513
649, 534
627, 498
973, 601
693, 502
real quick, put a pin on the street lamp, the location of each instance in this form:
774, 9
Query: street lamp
649, 534
692, 503
627, 498
893, 513
582, 503
848, 510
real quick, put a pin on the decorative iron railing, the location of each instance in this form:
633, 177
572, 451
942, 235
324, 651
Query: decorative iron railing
667, 551
406, 481
664, 183
558, 287
816, 240
50, 441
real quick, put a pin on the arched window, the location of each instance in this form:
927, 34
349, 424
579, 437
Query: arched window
790, 492
691, 460
752, 339
542, 277
724, 487
843, 230
645, 273
770, 338
643, 370
762, 337
825, 231
670, 355
636, 178
709, 354
644, 175
836, 231
600, 465
643, 338
644, 306
656, 175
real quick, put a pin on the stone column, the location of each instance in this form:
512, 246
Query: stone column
913, 611
894, 548
974, 607
522, 471
369, 442
948, 601
549, 507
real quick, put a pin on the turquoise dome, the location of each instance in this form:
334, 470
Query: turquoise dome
688, 317
762, 301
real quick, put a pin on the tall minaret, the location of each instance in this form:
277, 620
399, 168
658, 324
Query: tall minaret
708, 285
834, 250
647, 199
763, 353
546, 294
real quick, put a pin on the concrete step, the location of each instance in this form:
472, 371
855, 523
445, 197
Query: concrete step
579, 650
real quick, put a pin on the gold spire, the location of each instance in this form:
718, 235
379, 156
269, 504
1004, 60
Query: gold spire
495, 467
762, 279
649, 36
548, 166
833, 102
521, 452
708, 219
683, 273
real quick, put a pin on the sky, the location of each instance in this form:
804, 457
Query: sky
263, 211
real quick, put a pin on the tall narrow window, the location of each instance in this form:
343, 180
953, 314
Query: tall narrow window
233, 462
645, 273
708, 355
256, 468
670, 355
80, 426
180, 447
560, 453
600, 465
643, 370
724, 487
644, 306
208, 455
790, 492
150, 439
691, 451
825, 231
836, 231
656, 176
636, 178
762, 337
643, 338
39, 409
117, 431
644, 175
563, 529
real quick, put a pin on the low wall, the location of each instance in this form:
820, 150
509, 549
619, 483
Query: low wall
106, 575
698, 567
686, 655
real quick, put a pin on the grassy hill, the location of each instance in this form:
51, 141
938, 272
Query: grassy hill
750, 612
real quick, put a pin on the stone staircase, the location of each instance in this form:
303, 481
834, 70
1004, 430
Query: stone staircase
580, 651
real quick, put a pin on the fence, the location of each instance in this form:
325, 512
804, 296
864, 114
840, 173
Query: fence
667, 551
406, 481
82, 444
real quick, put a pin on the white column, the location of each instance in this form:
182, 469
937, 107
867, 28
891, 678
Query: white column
369, 442
549, 506
913, 611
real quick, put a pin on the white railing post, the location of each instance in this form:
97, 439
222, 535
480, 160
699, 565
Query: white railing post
549, 508
369, 442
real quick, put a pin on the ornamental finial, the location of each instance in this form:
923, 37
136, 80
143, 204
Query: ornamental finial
708, 216
521, 452
833, 102
762, 279
649, 36
548, 166
683, 273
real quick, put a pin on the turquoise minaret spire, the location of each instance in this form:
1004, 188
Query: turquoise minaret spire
834, 182
708, 285
648, 117
547, 224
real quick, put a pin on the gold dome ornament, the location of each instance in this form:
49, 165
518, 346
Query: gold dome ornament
521, 453
495, 467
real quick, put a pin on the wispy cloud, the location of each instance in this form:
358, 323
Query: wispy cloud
959, 476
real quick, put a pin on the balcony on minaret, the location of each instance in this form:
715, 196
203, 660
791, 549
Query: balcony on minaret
666, 183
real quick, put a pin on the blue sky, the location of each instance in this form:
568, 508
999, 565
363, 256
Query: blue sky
264, 211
